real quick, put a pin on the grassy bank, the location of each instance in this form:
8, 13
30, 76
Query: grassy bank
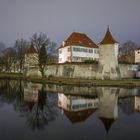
74, 81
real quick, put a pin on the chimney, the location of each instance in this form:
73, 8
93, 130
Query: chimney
63, 43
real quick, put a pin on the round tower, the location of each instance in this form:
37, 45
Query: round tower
108, 58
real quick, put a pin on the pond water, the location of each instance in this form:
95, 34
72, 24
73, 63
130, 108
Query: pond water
31, 111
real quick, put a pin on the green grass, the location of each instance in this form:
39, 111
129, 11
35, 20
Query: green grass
11, 75
74, 81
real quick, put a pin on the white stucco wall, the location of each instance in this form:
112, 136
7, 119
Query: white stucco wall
88, 71
63, 56
137, 56
70, 56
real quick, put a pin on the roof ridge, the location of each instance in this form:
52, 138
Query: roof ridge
80, 39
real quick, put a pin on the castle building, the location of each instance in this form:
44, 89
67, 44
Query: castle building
78, 48
31, 57
31, 62
108, 57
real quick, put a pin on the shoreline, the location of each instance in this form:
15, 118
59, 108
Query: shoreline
128, 83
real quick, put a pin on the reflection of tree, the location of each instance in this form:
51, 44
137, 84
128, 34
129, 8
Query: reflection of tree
18, 103
11, 92
8, 90
37, 113
42, 112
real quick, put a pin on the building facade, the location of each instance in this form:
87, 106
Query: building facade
78, 48
137, 55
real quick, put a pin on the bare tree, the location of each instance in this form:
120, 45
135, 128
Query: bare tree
21, 46
52, 49
2, 47
9, 57
128, 48
41, 42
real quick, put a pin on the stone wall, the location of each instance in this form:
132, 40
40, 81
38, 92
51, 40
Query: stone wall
108, 62
88, 71
72, 70
128, 70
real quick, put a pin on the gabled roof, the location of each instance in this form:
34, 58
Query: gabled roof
31, 50
78, 116
79, 39
108, 38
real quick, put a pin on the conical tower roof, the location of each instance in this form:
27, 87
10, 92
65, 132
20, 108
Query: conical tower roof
108, 38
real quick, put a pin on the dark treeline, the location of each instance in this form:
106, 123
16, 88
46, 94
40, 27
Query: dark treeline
37, 112
12, 58
128, 48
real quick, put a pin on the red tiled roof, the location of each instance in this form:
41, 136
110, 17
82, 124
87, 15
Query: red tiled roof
79, 39
127, 58
137, 49
79, 116
108, 38
31, 50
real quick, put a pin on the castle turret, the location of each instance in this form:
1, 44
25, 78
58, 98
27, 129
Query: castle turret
108, 105
108, 57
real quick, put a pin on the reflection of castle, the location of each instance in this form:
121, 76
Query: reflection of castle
137, 103
31, 93
130, 104
77, 109
108, 99
108, 106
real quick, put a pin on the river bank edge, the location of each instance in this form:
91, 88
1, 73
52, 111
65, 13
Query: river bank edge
128, 83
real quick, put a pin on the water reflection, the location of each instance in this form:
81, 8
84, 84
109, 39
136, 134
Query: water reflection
108, 105
31, 101
77, 108
41, 106
137, 103
74, 110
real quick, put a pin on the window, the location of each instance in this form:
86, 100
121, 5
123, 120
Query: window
68, 49
96, 51
90, 51
79, 49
